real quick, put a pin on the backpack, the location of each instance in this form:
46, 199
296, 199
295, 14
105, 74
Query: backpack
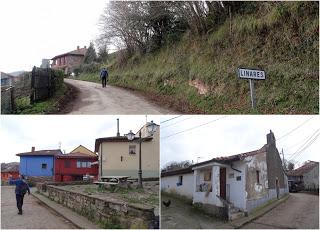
23, 188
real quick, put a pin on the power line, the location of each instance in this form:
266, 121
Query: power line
294, 129
176, 122
297, 143
186, 130
295, 154
300, 155
305, 145
170, 119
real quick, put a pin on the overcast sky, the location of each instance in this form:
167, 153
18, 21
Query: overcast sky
20, 133
236, 134
36, 29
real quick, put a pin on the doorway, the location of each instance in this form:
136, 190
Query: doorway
223, 183
277, 187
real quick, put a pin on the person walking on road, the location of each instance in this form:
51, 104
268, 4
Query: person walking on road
21, 189
104, 76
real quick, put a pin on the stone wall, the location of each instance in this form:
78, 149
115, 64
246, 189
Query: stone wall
275, 170
7, 100
103, 210
22, 86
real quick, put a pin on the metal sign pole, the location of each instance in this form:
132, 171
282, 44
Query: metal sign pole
253, 102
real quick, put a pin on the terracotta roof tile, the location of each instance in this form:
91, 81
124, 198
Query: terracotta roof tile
115, 139
77, 52
177, 171
53, 152
236, 157
76, 155
303, 169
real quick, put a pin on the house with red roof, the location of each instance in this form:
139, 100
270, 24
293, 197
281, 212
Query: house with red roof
76, 164
68, 61
307, 175
9, 169
234, 185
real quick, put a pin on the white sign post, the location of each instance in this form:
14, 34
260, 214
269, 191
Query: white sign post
251, 74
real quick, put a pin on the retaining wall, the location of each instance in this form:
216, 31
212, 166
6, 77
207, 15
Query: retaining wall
103, 210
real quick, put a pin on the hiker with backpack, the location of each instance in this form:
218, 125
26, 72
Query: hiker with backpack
104, 77
21, 189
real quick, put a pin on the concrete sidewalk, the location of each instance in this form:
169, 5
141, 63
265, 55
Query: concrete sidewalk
78, 220
238, 223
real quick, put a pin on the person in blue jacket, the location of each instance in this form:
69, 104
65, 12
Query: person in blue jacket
104, 77
21, 189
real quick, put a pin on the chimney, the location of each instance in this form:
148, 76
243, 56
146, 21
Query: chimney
118, 133
33, 149
271, 140
78, 47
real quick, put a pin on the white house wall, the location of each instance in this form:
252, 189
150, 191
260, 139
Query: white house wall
237, 188
311, 178
169, 184
211, 197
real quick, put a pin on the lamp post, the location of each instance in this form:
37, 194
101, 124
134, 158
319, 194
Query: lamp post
131, 136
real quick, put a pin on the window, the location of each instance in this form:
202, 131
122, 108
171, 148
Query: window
238, 178
258, 176
44, 166
132, 149
67, 164
231, 175
207, 176
180, 179
121, 158
83, 164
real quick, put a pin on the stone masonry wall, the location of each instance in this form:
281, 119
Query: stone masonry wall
275, 170
97, 209
7, 102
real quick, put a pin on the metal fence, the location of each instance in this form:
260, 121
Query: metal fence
44, 83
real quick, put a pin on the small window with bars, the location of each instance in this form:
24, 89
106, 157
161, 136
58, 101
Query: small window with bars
132, 149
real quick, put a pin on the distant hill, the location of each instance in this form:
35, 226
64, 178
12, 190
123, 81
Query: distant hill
17, 73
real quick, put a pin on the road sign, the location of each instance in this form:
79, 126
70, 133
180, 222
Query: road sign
254, 74
251, 74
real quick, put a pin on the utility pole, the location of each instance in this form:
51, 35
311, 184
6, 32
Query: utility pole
284, 164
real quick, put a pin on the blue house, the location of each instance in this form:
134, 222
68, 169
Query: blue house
38, 163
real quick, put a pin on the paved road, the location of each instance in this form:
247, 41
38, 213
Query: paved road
35, 215
301, 210
181, 215
93, 99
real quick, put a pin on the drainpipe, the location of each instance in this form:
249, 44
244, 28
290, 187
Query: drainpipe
101, 161
235, 169
118, 132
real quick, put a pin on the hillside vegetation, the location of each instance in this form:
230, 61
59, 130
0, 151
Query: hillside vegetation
197, 73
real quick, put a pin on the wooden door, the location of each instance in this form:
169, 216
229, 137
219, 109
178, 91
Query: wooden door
223, 183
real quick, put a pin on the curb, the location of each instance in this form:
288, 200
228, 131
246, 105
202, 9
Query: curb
71, 220
75, 224
266, 209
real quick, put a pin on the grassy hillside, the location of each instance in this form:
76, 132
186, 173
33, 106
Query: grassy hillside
282, 39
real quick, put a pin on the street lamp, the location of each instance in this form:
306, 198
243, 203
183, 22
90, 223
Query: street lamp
151, 129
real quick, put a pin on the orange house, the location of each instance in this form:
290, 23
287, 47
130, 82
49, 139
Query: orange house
9, 169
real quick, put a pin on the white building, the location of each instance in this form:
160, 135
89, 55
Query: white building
230, 186
311, 176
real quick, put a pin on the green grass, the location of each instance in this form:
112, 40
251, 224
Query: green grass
282, 39
23, 105
93, 77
